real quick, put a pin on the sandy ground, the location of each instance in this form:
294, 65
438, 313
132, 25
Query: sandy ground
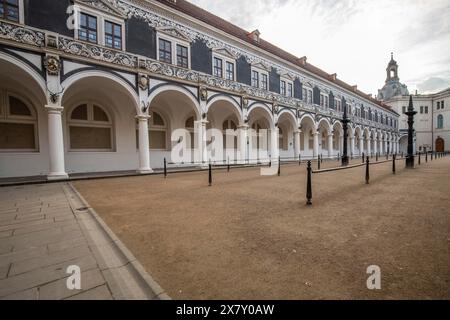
252, 237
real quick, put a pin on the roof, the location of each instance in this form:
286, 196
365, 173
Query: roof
227, 27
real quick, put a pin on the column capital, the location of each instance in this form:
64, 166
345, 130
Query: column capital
55, 109
143, 117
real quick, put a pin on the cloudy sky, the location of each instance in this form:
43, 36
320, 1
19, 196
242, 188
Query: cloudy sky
354, 38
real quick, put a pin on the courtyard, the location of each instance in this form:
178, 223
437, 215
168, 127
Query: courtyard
252, 237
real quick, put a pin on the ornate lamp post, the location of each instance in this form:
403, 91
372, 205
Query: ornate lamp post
410, 113
345, 122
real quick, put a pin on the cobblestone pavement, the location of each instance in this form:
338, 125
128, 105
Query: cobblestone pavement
46, 228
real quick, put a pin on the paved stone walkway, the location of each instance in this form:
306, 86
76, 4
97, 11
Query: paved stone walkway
46, 228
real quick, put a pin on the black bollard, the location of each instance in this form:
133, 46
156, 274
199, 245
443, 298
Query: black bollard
393, 164
431, 155
299, 159
321, 158
419, 158
387, 156
210, 175
362, 158
279, 166
376, 157
165, 168
228, 164
367, 170
426, 157
308, 184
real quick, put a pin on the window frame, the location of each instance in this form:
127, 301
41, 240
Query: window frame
174, 42
440, 124
217, 66
7, 117
101, 22
113, 35
179, 45
225, 61
260, 73
90, 123
161, 40
20, 7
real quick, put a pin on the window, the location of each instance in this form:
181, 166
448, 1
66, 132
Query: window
9, 10
442, 104
303, 94
113, 35
438, 105
165, 51
324, 100
337, 104
421, 109
255, 79
283, 87
88, 28
18, 125
182, 56
229, 71
90, 129
218, 67
440, 121
264, 81
403, 109
290, 90
157, 132
309, 96
426, 109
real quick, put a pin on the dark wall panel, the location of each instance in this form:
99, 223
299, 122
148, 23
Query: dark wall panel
48, 14
201, 57
140, 38
243, 71
298, 89
331, 100
316, 95
274, 81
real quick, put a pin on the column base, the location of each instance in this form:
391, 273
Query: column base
145, 171
57, 176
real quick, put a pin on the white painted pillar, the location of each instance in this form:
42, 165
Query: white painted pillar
274, 150
375, 145
297, 143
144, 145
316, 144
361, 146
368, 146
242, 140
57, 168
385, 149
352, 145
330, 145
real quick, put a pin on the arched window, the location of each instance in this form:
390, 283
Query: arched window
18, 124
90, 129
440, 121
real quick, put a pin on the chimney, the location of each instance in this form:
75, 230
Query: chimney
355, 87
333, 76
302, 60
254, 35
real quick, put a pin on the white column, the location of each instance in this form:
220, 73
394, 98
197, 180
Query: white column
297, 143
368, 146
385, 149
144, 145
316, 144
352, 145
375, 145
361, 146
201, 154
57, 168
243, 135
330, 145
274, 151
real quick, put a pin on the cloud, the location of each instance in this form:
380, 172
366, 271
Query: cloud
432, 85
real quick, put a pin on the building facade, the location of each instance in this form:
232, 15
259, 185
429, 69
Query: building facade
98, 86
432, 121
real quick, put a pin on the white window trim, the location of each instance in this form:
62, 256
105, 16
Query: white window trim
260, 72
6, 117
288, 81
91, 124
173, 44
21, 14
101, 19
224, 59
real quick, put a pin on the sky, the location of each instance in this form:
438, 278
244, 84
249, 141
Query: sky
354, 38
